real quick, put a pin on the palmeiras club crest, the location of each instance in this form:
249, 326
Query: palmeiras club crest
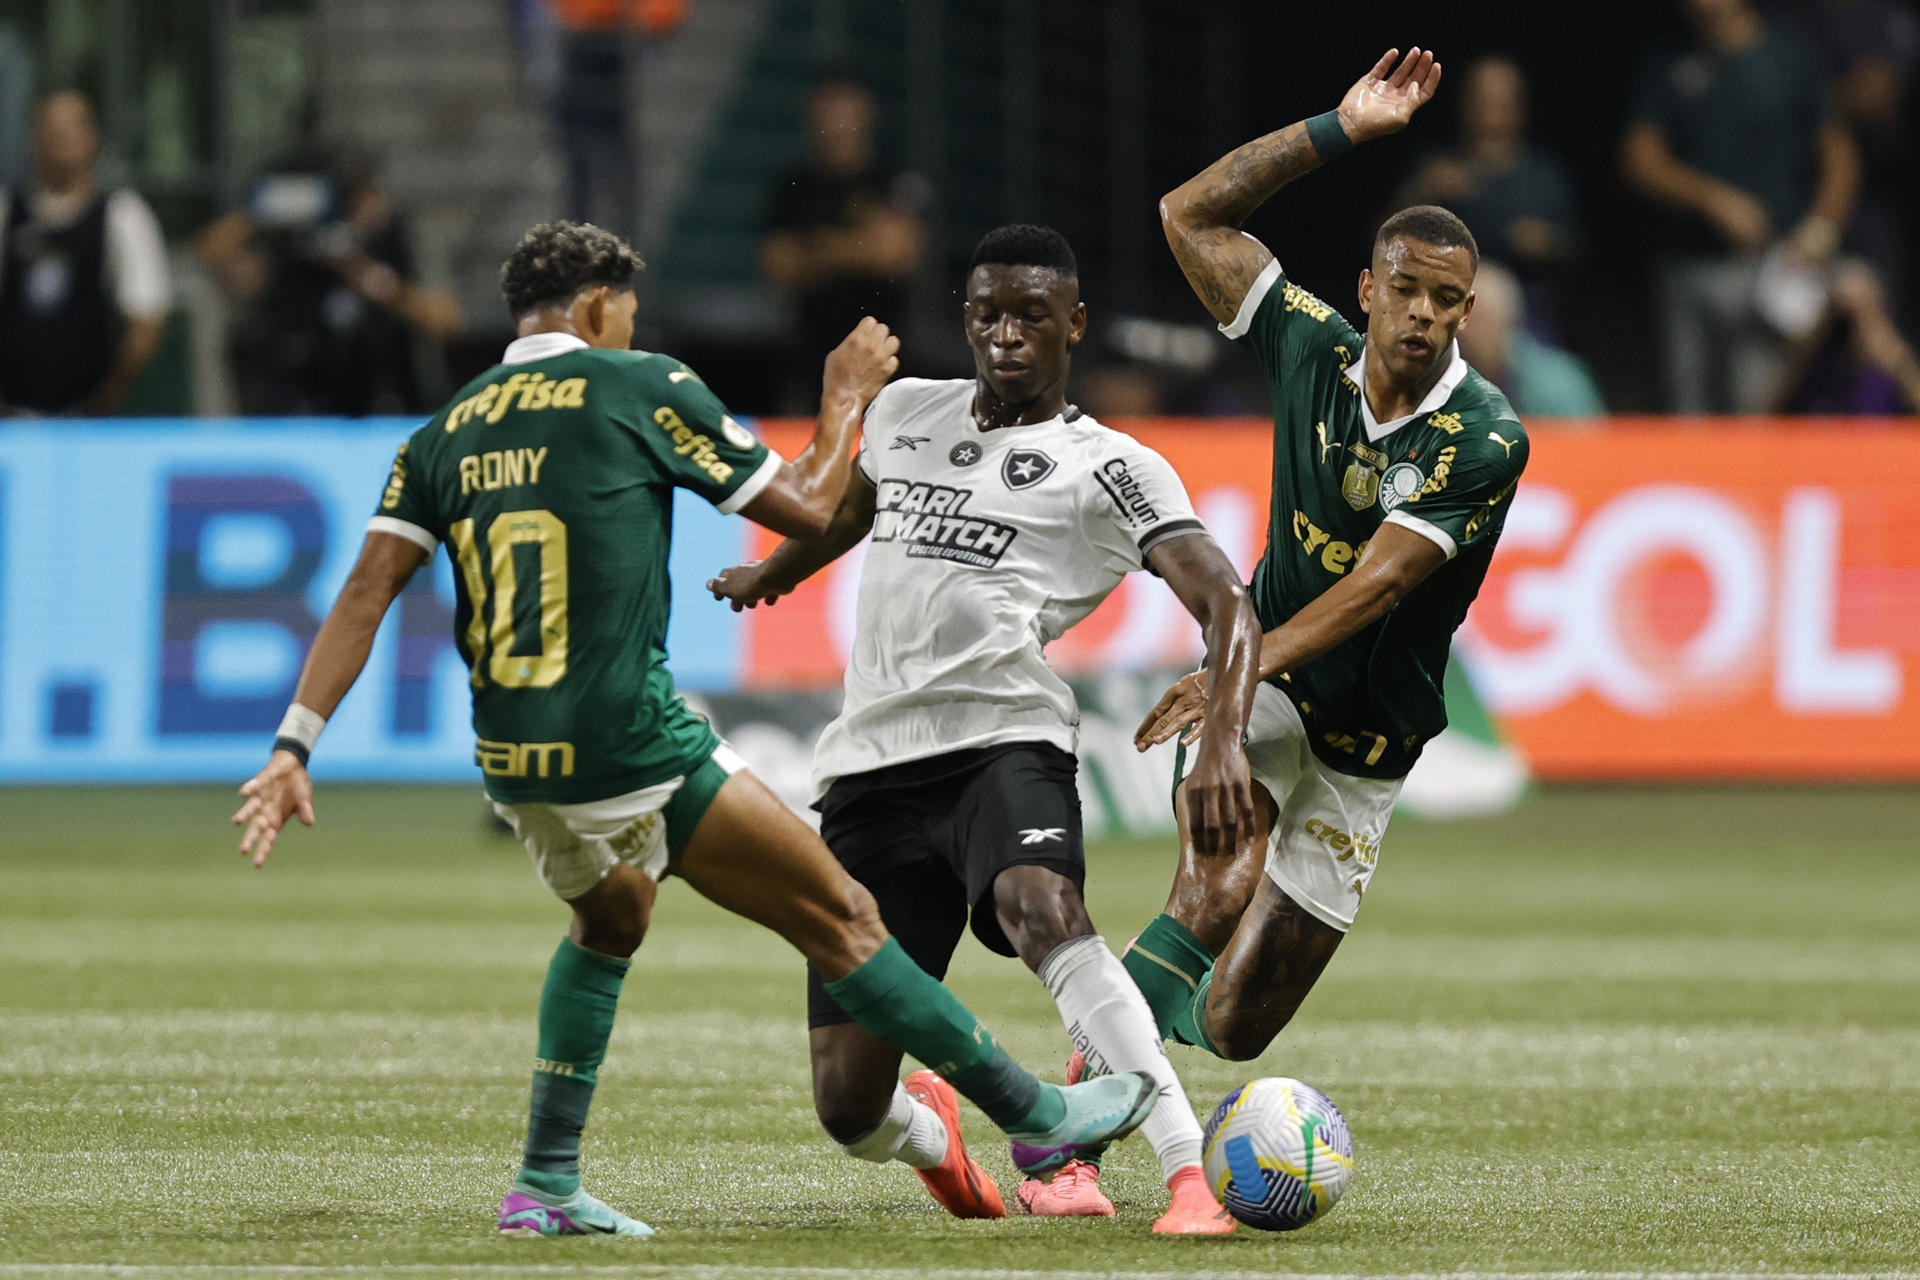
1025, 468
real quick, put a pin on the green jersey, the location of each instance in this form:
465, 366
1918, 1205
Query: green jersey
550, 479
1447, 472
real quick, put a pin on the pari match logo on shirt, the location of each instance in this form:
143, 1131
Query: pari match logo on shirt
931, 518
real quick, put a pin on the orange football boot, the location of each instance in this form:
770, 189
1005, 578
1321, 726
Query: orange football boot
958, 1182
1194, 1211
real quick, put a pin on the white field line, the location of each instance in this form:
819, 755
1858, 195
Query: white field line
720, 1271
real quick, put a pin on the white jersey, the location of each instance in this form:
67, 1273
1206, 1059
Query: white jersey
986, 546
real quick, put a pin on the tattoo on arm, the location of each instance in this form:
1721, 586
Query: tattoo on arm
1202, 216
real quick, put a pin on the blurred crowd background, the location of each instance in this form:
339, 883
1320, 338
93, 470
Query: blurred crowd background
299, 206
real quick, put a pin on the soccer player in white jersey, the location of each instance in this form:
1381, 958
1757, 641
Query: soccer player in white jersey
1000, 515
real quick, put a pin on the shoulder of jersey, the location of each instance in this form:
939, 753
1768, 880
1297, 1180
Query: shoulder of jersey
905, 396
1485, 403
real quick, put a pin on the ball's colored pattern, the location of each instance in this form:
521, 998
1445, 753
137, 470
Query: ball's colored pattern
1278, 1153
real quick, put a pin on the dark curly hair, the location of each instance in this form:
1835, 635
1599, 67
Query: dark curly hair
1022, 244
556, 260
1430, 224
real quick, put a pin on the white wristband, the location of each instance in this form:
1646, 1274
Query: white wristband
302, 726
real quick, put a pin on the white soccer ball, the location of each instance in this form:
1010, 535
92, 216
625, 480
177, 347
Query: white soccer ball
1278, 1153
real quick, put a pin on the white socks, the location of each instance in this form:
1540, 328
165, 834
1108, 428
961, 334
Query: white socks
912, 1134
1108, 1021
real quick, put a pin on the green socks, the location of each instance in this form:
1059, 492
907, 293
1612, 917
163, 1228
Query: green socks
895, 999
576, 1020
1174, 972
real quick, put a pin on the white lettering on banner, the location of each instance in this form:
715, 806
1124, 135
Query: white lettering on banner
1813, 675
1581, 607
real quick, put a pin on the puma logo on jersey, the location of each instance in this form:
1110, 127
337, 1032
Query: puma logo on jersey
1326, 446
1495, 435
1043, 835
909, 443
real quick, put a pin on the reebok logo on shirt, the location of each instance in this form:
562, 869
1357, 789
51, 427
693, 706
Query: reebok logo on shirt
929, 516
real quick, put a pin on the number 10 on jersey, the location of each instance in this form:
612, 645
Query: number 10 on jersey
496, 655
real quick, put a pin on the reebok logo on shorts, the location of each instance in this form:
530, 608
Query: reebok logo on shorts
1043, 835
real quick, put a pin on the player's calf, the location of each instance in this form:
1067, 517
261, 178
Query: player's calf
1261, 979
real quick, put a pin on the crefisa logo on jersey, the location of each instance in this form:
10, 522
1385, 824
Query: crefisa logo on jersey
1025, 468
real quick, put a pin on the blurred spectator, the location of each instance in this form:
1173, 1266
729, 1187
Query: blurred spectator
842, 234
16, 106
1737, 136
593, 102
321, 265
1854, 361
1541, 380
83, 275
1871, 50
1518, 199
1112, 391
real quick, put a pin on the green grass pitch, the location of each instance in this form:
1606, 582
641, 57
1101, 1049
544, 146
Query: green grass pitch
1619, 1031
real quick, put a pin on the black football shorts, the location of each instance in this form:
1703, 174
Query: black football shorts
929, 837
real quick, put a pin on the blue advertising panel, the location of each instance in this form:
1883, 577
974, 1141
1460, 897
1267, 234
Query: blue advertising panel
160, 582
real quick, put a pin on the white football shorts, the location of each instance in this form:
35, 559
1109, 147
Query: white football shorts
574, 846
1327, 827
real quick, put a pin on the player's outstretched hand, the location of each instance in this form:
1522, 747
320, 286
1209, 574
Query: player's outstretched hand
1384, 99
863, 361
1183, 706
274, 794
744, 586
1219, 796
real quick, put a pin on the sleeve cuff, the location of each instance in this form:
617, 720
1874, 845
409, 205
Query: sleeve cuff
748, 491
1431, 532
1168, 531
405, 529
1262, 285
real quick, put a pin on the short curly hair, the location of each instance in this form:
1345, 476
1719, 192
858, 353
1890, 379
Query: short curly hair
1023, 244
556, 260
1430, 224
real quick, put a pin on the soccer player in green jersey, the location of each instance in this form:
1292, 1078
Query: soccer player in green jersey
1394, 465
550, 480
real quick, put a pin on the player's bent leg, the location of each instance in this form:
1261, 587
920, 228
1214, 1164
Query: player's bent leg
1171, 956
1044, 917
750, 854
1211, 891
1276, 955
573, 848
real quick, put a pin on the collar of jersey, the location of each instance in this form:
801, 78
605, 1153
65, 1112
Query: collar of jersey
1442, 391
544, 346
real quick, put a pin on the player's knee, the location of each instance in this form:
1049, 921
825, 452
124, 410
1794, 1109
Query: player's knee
1241, 1044
1040, 910
613, 921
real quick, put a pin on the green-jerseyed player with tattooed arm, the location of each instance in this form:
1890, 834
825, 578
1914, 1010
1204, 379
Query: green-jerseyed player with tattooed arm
550, 480
1394, 466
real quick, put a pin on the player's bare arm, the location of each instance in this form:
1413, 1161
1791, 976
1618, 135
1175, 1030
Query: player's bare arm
797, 559
1397, 560
1202, 216
1219, 791
805, 493
387, 562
